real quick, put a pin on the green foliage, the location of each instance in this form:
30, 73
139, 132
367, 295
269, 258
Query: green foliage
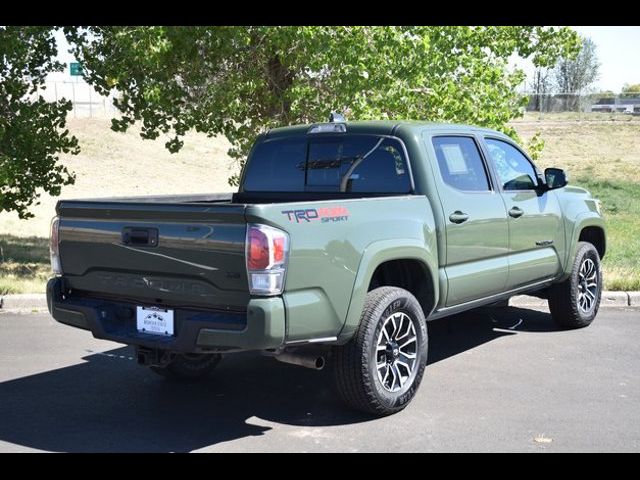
602, 96
241, 81
631, 90
535, 146
31, 130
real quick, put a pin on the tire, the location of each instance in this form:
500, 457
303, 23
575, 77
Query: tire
569, 306
356, 372
188, 366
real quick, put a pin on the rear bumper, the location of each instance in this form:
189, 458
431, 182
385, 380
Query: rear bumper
260, 327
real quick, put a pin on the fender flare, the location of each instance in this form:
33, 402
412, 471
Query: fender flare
583, 220
374, 255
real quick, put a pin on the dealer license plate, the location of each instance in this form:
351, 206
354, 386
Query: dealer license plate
153, 320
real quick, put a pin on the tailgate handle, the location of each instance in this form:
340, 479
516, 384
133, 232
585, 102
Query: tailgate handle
140, 236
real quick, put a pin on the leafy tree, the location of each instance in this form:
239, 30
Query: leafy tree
541, 86
31, 130
241, 81
630, 91
603, 97
574, 75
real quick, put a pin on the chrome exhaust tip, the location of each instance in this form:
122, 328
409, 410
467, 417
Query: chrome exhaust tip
314, 362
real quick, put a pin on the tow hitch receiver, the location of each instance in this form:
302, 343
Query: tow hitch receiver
152, 357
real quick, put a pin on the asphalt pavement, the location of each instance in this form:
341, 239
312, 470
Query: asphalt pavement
498, 380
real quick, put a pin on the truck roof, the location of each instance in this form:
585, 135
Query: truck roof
382, 127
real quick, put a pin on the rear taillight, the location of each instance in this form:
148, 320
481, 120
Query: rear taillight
267, 255
54, 250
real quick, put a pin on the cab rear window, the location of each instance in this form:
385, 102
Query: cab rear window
331, 163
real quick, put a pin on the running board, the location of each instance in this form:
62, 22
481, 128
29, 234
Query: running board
463, 307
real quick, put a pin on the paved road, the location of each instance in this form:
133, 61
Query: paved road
498, 380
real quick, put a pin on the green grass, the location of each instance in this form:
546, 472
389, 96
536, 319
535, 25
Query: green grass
24, 264
621, 209
604, 158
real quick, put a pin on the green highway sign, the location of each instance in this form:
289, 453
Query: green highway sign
75, 69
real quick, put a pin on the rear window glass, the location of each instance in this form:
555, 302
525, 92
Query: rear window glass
345, 163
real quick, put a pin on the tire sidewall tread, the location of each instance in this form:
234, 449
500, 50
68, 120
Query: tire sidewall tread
563, 296
355, 373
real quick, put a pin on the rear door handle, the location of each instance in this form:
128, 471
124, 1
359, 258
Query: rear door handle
516, 212
458, 217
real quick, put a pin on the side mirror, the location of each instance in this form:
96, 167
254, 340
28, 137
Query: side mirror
555, 178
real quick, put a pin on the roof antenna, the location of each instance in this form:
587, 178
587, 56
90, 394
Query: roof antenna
336, 117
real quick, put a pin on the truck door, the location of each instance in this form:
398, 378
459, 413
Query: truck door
536, 233
476, 228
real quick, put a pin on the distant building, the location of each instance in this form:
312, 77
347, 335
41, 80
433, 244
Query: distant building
617, 104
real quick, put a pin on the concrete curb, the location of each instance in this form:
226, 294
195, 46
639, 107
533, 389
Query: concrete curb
616, 299
23, 301
527, 301
609, 299
33, 301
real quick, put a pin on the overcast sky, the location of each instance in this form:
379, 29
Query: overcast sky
618, 49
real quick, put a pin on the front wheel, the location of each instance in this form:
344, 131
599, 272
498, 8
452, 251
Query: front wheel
380, 369
574, 303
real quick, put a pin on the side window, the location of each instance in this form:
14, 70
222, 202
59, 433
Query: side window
514, 170
460, 163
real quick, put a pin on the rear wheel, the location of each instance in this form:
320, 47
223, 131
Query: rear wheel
380, 369
188, 366
574, 303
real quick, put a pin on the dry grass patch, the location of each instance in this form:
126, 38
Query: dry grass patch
117, 164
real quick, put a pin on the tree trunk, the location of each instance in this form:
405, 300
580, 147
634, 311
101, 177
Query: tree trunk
279, 80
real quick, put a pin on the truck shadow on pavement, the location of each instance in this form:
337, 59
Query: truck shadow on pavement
108, 403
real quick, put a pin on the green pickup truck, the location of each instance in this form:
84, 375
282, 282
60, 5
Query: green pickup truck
343, 240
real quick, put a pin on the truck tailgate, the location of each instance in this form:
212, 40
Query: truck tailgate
176, 254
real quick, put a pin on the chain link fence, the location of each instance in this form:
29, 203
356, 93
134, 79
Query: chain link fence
580, 106
87, 103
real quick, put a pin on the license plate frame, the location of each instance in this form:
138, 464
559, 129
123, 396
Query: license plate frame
155, 321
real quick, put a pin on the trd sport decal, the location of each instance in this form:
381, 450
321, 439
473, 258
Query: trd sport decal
324, 215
